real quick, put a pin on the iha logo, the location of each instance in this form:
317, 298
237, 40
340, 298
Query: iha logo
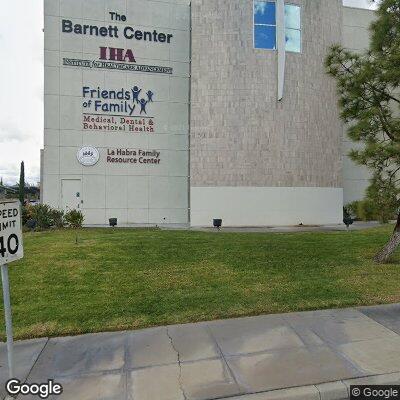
114, 54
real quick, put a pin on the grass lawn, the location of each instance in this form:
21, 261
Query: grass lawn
128, 279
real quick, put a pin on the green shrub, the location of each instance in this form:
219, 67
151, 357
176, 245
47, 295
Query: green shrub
42, 214
58, 218
26, 214
42, 217
74, 219
384, 196
352, 209
368, 210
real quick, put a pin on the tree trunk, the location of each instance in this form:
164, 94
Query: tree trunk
384, 255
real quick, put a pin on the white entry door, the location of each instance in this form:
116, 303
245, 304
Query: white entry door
71, 192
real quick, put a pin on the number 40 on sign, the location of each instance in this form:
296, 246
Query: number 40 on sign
11, 248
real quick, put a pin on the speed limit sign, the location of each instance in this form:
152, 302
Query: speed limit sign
11, 248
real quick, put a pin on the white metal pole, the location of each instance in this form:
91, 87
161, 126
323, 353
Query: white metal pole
7, 313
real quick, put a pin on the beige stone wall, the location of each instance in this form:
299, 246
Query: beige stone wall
240, 134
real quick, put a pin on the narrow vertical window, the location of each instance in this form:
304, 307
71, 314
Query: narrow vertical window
293, 28
264, 25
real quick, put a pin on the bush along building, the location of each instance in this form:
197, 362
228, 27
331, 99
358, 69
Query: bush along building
180, 112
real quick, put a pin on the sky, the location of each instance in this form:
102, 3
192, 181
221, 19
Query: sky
21, 94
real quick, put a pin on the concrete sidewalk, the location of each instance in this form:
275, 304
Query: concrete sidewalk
312, 355
357, 226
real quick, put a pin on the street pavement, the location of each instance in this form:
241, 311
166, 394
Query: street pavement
297, 356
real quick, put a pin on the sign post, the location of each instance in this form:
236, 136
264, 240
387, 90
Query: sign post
7, 312
11, 249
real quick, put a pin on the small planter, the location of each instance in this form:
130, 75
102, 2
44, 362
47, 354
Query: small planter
217, 223
113, 222
31, 224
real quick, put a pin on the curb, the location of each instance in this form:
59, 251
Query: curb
338, 390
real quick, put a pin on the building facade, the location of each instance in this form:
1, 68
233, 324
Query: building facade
178, 112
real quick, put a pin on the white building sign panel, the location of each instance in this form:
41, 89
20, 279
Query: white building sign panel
117, 83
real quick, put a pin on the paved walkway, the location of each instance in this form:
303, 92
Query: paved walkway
317, 355
357, 226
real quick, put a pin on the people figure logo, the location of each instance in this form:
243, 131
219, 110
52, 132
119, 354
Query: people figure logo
143, 104
136, 91
150, 96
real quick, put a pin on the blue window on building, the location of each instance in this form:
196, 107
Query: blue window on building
293, 28
265, 26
